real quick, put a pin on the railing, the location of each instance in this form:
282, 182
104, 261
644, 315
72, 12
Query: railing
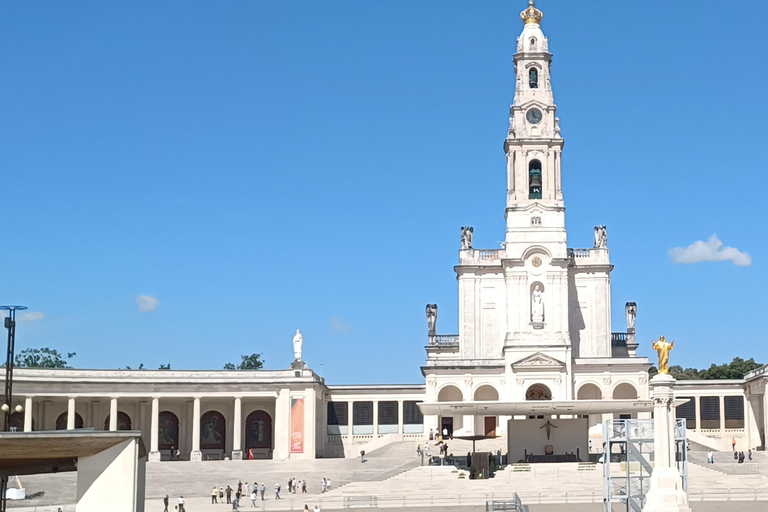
488, 254
757, 371
578, 253
619, 339
446, 339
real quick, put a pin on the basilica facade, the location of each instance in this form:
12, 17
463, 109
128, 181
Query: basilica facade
535, 343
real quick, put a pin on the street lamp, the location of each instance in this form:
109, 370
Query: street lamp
10, 324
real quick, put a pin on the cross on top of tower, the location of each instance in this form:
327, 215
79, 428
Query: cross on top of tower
531, 14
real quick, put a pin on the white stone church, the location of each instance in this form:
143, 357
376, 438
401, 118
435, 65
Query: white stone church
535, 347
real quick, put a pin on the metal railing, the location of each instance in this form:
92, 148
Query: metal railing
445, 339
579, 253
619, 339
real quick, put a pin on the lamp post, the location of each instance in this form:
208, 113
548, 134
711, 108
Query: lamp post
10, 324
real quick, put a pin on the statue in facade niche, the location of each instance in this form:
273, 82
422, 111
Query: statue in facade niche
466, 237
631, 310
557, 127
432, 319
601, 237
662, 348
537, 305
298, 341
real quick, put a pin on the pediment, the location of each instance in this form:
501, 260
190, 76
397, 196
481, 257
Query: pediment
538, 360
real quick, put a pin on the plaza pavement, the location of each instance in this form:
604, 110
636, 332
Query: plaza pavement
396, 480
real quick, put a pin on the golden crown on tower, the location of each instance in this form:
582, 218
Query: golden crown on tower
531, 14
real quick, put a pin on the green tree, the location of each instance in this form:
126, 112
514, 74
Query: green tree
251, 362
42, 358
733, 370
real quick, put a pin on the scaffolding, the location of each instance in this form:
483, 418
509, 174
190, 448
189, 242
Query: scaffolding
628, 456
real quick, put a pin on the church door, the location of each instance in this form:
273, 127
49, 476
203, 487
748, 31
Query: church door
490, 425
447, 425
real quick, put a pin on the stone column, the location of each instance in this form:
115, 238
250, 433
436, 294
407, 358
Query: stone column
196, 453
697, 401
237, 453
350, 422
666, 492
400, 417
113, 414
722, 416
28, 414
310, 431
375, 419
71, 413
154, 452
282, 425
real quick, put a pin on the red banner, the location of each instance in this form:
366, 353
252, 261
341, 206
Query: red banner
297, 425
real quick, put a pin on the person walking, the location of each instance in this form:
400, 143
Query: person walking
290, 481
181, 503
245, 489
236, 502
710, 457
749, 454
418, 450
323, 486
165, 500
304, 481
277, 491
262, 490
253, 498
362, 455
214, 495
228, 492
306, 508
733, 444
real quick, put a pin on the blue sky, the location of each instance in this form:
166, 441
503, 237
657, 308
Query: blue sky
259, 167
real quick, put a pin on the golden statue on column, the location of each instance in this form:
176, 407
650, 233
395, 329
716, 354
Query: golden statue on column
662, 348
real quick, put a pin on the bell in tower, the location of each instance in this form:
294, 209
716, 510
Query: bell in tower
534, 180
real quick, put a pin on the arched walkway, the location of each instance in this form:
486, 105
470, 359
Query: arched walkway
61, 421
589, 392
167, 431
486, 393
123, 421
538, 392
213, 431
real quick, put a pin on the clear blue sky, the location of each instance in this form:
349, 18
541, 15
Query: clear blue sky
263, 166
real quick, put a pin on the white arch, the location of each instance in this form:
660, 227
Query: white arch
540, 390
624, 383
452, 396
585, 386
536, 249
489, 386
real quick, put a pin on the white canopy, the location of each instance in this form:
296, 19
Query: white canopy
539, 407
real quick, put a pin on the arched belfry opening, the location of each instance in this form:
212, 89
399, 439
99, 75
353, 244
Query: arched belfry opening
534, 179
533, 75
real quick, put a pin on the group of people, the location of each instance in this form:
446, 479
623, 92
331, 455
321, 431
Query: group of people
243, 490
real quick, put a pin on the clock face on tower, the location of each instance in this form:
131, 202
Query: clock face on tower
534, 116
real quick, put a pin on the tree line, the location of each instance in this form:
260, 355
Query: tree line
733, 370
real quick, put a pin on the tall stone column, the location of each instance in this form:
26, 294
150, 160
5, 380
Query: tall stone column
375, 419
310, 431
154, 452
282, 425
113, 414
28, 414
400, 417
666, 492
71, 413
237, 452
196, 453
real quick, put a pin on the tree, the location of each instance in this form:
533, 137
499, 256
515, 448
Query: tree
251, 362
42, 358
733, 370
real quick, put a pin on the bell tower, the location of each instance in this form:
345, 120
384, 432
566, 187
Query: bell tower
535, 212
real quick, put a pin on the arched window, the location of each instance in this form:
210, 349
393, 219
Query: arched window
534, 180
533, 78
450, 394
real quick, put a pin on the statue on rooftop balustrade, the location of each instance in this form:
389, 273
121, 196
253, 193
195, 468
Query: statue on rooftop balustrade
631, 310
466, 237
298, 341
601, 237
432, 319
662, 348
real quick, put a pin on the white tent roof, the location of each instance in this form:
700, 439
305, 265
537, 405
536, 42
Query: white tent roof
538, 407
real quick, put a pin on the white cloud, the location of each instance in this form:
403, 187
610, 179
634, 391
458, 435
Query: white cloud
711, 250
338, 326
30, 316
147, 303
